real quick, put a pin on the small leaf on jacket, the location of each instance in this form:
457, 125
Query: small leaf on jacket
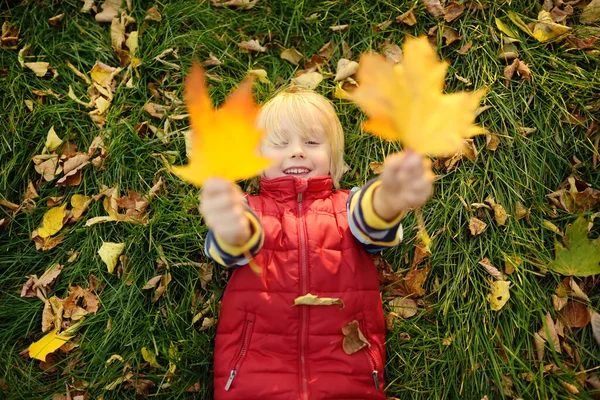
354, 340
312, 300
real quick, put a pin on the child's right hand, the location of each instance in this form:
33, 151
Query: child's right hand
223, 206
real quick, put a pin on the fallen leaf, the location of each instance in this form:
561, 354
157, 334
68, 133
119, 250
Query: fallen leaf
71, 167
339, 28
104, 75
252, 45
292, 55
546, 29
241, 4
559, 302
312, 300
52, 140
550, 226
434, 8
504, 28
520, 210
309, 80
540, 349
47, 243
165, 280
549, 334
110, 9
595, 319
407, 18
47, 344
453, 11
207, 323
573, 41
152, 14
345, 69
392, 52
52, 222
524, 71
398, 98
382, 26
511, 262
326, 50
476, 226
109, 253
575, 315
576, 290
403, 307
376, 167
465, 48
577, 256
79, 204
152, 282
40, 68
156, 110
215, 130
575, 196
412, 283
590, 13
492, 141
49, 276
487, 264
354, 340
150, 357
499, 213
499, 294
55, 21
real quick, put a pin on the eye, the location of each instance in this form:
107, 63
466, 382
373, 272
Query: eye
312, 142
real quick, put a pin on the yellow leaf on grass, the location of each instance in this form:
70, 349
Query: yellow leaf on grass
225, 141
46, 345
80, 204
150, 357
40, 68
52, 221
499, 294
52, 140
109, 253
405, 102
312, 300
546, 29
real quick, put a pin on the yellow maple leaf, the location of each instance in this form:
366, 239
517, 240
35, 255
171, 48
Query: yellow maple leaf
224, 141
46, 345
406, 102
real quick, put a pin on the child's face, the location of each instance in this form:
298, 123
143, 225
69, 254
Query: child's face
298, 156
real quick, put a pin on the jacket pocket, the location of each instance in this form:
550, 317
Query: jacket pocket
238, 360
372, 355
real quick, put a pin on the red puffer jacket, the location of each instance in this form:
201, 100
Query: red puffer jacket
267, 348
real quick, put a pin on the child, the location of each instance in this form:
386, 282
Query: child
306, 237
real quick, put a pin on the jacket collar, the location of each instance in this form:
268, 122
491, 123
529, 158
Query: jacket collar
289, 187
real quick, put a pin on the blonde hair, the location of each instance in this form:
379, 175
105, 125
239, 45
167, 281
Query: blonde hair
304, 109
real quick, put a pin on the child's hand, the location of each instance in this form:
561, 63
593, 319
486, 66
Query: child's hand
223, 206
406, 182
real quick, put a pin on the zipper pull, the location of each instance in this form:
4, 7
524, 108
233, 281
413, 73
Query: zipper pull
230, 380
299, 197
376, 379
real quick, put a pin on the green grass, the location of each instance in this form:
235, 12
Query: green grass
486, 346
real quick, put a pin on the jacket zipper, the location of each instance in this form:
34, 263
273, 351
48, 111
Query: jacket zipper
372, 359
304, 283
240, 356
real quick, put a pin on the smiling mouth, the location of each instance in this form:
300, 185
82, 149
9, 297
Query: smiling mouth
296, 171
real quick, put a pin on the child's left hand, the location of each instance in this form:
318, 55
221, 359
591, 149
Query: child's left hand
406, 182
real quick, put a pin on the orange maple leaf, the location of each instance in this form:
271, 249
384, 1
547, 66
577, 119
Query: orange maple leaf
406, 102
224, 141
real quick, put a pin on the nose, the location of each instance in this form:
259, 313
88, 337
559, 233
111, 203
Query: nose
298, 152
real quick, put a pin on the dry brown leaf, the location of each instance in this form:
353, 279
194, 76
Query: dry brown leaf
292, 55
403, 307
487, 264
407, 18
574, 42
241, 4
465, 48
511, 262
382, 26
354, 340
252, 45
552, 335
339, 28
575, 195
326, 50
55, 21
345, 69
476, 226
47, 243
152, 14
211, 61
156, 110
453, 11
450, 35
376, 167
524, 71
520, 210
575, 315
392, 52
558, 302
152, 282
49, 276
540, 349
492, 141
346, 52
72, 166
434, 8
595, 320
110, 9
591, 12
422, 252
165, 280
414, 279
